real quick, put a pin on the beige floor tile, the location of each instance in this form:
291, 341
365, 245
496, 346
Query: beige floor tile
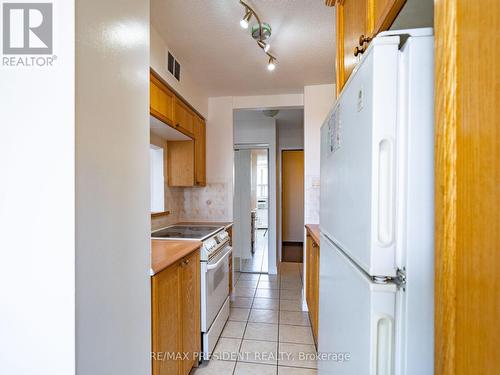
263, 316
247, 284
242, 302
296, 318
297, 355
227, 349
291, 294
238, 314
258, 351
261, 331
295, 334
265, 304
249, 276
287, 305
282, 370
268, 293
243, 368
269, 277
243, 292
268, 285
234, 330
214, 367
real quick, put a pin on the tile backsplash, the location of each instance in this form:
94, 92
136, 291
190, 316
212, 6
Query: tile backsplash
209, 203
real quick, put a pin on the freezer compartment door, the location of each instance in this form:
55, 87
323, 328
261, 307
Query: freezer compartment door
358, 163
356, 318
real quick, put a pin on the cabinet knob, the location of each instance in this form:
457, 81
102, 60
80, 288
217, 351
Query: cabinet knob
359, 51
364, 39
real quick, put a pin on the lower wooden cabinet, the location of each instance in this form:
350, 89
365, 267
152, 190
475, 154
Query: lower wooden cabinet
312, 283
176, 317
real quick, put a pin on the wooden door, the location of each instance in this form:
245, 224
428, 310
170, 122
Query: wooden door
292, 203
166, 316
184, 117
161, 101
467, 187
200, 151
190, 310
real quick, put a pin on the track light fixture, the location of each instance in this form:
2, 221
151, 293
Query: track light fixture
271, 65
260, 32
246, 19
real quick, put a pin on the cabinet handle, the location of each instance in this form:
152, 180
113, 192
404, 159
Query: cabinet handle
359, 51
364, 39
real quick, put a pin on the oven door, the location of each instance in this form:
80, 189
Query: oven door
214, 286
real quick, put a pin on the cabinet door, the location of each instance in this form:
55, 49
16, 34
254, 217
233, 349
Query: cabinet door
166, 315
200, 151
315, 285
180, 163
309, 285
352, 22
190, 310
161, 101
383, 14
184, 117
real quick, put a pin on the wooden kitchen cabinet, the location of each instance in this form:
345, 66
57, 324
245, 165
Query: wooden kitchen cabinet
357, 23
181, 163
200, 151
161, 101
312, 282
184, 117
176, 316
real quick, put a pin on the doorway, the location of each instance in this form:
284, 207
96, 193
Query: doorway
251, 208
292, 203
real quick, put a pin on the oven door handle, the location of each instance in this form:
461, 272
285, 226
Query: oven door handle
216, 265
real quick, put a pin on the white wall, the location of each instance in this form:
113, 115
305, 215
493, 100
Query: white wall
37, 236
187, 87
113, 332
263, 132
318, 100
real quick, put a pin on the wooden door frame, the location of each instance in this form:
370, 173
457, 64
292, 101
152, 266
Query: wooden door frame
467, 188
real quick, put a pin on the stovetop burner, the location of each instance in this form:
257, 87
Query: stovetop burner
195, 232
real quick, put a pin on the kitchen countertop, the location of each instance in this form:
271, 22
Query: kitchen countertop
164, 253
313, 230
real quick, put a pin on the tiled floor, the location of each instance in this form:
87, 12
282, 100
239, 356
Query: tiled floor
268, 330
258, 261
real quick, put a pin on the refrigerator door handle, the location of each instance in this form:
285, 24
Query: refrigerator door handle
385, 199
384, 333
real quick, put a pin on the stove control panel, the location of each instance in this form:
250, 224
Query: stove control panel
210, 244
222, 236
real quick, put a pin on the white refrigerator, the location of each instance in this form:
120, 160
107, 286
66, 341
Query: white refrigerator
377, 214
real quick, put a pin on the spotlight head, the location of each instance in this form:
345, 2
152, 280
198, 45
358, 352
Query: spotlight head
272, 64
246, 19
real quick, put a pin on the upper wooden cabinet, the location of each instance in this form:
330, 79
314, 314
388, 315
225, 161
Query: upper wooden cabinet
358, 22
184, 117
186, 160
161, 101
200, 151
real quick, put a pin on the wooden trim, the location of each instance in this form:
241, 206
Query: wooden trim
446, 186
292, 243
330, 3
339, 60
159, 214
180, 97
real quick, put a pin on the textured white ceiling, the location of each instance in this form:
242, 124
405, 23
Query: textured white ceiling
223, 59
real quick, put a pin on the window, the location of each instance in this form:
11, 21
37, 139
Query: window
262, 174
157, 179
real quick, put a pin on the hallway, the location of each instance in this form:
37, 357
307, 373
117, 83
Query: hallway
268, 327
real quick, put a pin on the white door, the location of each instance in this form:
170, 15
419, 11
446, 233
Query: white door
356, 318
358, 178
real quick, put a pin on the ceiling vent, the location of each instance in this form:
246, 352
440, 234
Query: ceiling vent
174, 67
